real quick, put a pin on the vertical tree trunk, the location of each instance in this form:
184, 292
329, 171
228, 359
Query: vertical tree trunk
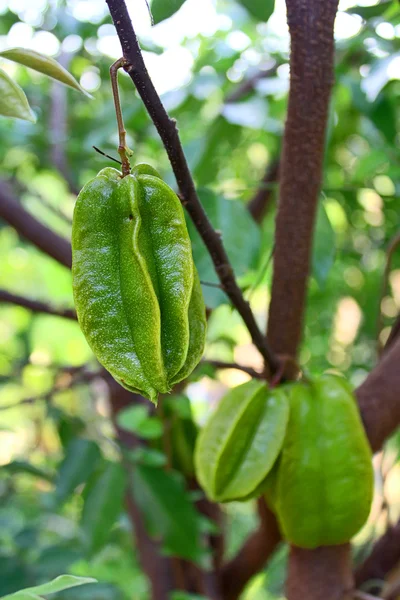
324, 573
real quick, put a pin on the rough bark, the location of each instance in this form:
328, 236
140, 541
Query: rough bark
323, 574
311, 64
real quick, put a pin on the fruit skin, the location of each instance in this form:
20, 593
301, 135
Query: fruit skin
238, 446
324, 481
136, 289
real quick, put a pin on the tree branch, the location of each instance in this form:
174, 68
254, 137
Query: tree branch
35, 305
220, 364
252, 556
259, 203
311, 77
31, 229
168, 132
384, 556
379, 398
249, 84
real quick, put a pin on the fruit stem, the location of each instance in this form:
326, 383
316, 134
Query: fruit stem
123, 149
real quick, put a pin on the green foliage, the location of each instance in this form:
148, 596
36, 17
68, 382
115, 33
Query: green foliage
62, 582
13, 101
259, 9
163, 9
59, 458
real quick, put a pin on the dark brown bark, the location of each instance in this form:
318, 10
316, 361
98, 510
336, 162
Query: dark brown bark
324, 573
379, 399
31, 229
385, 555
311, 63
252, 556
258, 205
36, 306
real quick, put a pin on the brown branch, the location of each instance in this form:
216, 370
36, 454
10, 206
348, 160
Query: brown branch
31, 229
379, 398
394, 333
35, 305
252, 556
259, 203
168, 132
311, 77
384, 556
249, 84
81, 377
220, 364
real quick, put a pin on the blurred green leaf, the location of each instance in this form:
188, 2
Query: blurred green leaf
168, 511
81, 459
62, 582
324, 247
240, 235
103, 504
259, 9
369, 12
137, 420
13, 102
147, 456
163, 9
43, 64
22, 466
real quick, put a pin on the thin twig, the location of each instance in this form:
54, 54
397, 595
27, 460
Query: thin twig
36, 306
168, 132
82, 378
106, 155
122, 148
219, 364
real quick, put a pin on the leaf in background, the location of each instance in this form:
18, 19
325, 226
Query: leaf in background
22, 466
44, 64
103, 504
383, 116
80, 461
369, 12
13, 102
168, 511
220, 139
163, 9
259, 9
240, 235
137, 420
63, 582
324, 247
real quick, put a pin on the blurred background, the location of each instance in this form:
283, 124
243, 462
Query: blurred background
224, 76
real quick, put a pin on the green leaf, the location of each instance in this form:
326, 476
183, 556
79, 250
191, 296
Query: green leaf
163, 9
136, 419
231, 218
63, 582
369, 12
103, 504
383, 115
241, 441
147, 456
13, 102
43, 64
168, 511
259, 9
221, 138
80, 461
22, 466
324, 247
